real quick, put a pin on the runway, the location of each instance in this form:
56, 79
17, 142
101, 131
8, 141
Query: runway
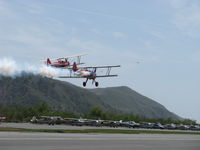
60, 141
69, 127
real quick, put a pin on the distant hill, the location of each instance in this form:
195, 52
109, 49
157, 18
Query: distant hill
27, 90
129, 101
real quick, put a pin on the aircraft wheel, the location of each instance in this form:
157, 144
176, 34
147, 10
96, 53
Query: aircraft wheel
96, 84
84, 84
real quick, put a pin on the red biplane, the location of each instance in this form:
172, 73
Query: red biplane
63, 62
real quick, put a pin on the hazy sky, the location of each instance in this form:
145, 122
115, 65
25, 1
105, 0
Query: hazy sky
163, 35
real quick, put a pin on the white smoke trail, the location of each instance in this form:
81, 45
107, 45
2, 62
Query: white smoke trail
8, 67
28, 68
48, 71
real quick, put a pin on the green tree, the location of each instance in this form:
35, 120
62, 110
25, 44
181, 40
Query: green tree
96, 112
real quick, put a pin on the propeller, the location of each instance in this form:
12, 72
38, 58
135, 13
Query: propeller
94, 72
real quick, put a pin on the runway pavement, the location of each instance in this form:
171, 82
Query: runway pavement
60, 141
69, 127
44, 126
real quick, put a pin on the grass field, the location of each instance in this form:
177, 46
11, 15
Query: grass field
108, 131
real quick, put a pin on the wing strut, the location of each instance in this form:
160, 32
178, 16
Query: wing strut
108, 71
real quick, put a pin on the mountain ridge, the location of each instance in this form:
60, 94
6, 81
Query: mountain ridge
28, 89
125, 102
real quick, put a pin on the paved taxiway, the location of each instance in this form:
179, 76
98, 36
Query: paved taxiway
69, 127
60, 141
46, 126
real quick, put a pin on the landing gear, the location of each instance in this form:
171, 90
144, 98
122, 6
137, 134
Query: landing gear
96, 84
84, 83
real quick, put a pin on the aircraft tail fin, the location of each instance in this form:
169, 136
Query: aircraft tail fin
75, 68
48, 61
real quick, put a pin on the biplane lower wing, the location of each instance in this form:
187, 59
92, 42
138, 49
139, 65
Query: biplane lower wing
100, 76
106, 76
69, 67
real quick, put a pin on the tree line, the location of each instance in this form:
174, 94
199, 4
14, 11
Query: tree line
24, 114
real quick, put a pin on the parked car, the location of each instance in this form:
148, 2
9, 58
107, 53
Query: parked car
194, 128
170, 126
182, 127
157, 126
146, 125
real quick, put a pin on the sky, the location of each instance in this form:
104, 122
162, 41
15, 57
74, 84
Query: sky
162, 35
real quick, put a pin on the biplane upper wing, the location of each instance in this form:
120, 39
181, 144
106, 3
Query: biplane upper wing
99, 67
77, 55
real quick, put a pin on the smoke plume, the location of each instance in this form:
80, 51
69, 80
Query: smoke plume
9, 67
48, 71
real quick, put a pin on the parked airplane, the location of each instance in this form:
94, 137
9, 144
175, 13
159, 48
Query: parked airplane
51, 120
2, 118
89, 73
63, 62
